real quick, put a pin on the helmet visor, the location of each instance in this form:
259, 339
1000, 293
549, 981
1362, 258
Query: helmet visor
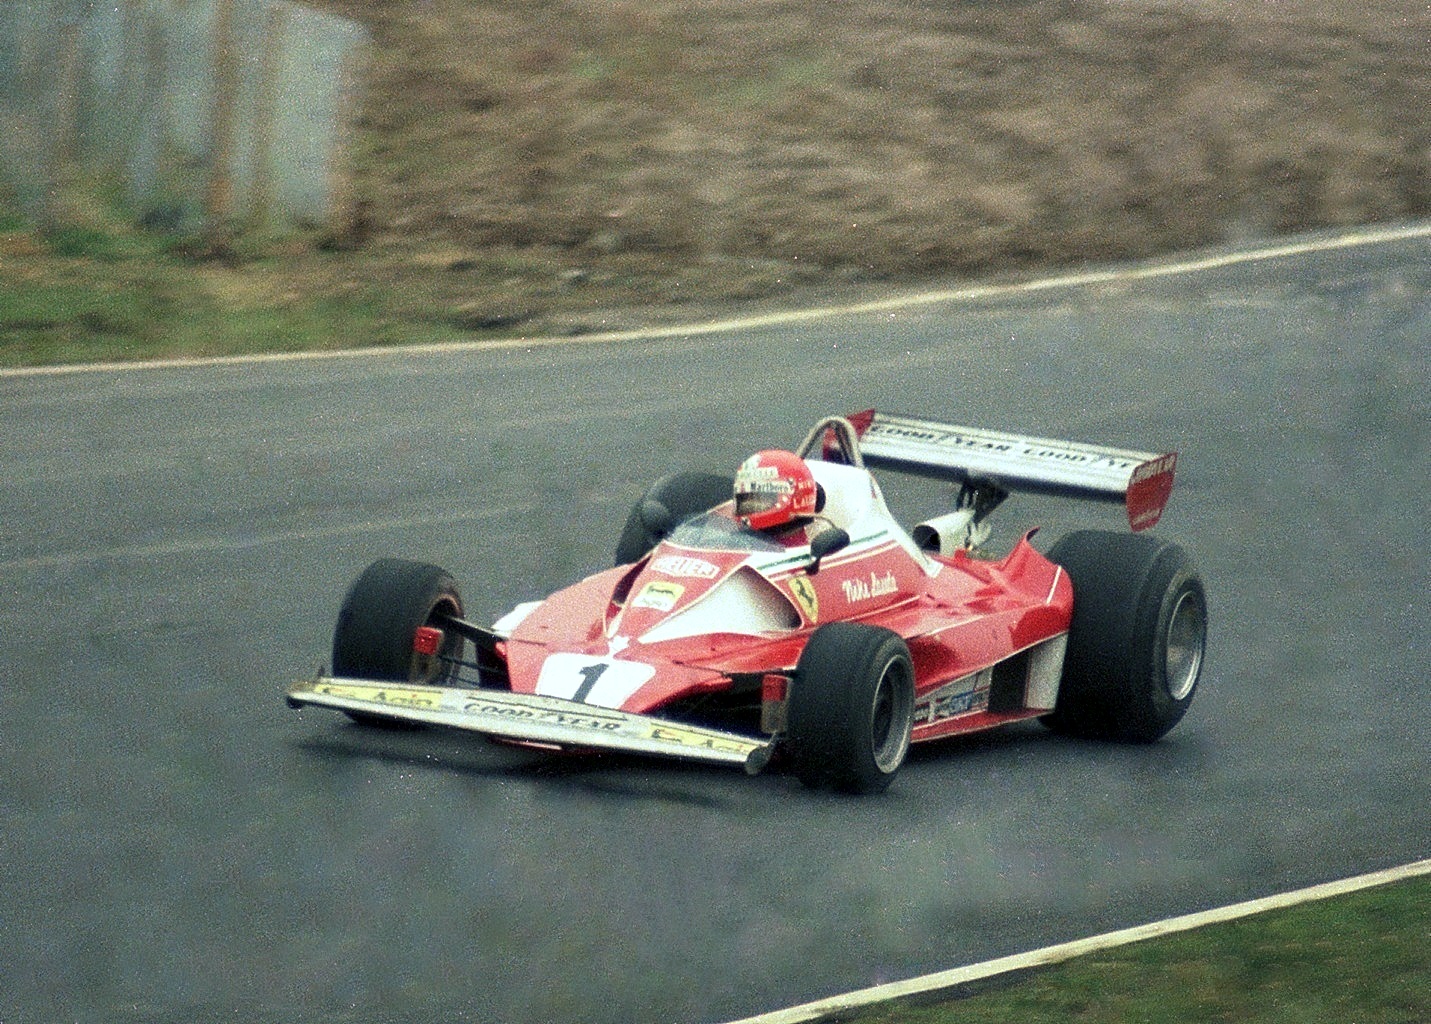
751, 502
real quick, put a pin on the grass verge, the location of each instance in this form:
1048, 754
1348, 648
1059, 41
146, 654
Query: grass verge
1363, 958
101, 290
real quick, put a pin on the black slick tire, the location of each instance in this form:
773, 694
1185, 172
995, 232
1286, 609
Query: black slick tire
682, 495
1136, 643
850, 708
373, 637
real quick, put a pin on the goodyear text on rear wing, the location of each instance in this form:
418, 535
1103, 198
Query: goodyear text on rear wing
1142, 481
533, 719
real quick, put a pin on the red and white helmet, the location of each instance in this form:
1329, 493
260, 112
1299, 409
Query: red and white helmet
772, 488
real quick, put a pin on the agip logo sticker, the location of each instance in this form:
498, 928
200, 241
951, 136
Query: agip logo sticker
397, 696
806, 598
660, 596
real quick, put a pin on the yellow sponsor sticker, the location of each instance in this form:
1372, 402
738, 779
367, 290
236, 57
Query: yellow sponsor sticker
675, 734
397, 696
658, 595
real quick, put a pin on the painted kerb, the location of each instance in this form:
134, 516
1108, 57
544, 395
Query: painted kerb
207, 112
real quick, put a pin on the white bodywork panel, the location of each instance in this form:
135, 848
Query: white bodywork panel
1045, 671
743, 603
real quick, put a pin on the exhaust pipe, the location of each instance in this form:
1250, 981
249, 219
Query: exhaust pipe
951, 532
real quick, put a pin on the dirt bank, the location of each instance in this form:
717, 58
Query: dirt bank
537, 161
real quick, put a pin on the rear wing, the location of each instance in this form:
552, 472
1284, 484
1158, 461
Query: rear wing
1142, 481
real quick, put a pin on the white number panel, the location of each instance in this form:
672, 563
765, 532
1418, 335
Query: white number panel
604, 682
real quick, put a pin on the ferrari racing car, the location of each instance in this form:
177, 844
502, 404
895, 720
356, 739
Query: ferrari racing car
784, 617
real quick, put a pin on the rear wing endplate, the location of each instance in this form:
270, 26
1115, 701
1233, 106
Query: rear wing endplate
1142, 481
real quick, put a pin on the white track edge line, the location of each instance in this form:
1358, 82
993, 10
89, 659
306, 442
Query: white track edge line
931, 984
1349, 239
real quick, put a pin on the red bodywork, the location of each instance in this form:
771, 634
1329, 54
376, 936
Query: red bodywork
615, 639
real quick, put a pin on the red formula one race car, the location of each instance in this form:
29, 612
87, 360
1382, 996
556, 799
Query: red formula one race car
784, 615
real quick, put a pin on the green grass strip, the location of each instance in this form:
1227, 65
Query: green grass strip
1363, 958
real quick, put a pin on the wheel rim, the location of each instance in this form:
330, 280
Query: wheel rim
891, 716
1187, 634
437, 669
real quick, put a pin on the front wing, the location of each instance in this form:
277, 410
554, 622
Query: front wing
534, 719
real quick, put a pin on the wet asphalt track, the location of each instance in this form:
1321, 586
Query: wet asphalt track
176, 846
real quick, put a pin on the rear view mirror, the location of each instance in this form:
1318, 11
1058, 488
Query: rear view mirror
825, 544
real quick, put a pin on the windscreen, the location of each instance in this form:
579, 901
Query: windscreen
711, 531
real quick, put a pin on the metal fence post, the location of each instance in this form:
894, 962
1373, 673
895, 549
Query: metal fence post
213, 114
219, 201
58, 145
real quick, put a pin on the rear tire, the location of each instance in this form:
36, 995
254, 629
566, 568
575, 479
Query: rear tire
1137, 640
851, 708
684, 495
373, 638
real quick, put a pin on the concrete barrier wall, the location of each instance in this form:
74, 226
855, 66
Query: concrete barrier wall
208, 112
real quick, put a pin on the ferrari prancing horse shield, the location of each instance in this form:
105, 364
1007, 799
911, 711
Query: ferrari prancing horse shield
806, 598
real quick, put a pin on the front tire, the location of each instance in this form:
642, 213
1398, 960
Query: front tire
373, 637
1137, 640
851, 708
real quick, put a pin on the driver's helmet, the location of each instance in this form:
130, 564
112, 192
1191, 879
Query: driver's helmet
772, 488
